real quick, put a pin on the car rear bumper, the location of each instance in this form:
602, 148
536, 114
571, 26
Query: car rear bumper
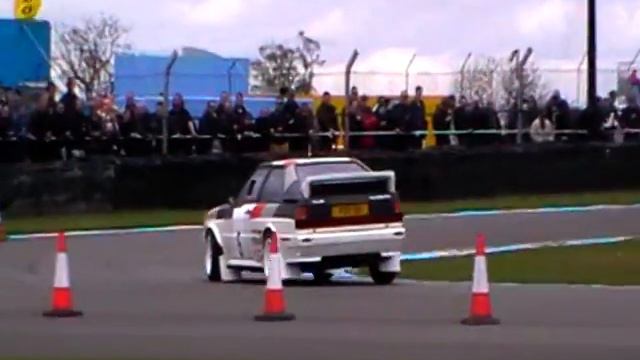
357, 242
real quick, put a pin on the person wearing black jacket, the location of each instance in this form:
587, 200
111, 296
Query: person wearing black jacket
181, 124
462, 121
327, 116
180, 120
557, 110
399, 121
442, 119
381, 110
417, 121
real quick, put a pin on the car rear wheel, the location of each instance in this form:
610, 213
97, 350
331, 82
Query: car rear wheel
322, 277
381, 277
212, 258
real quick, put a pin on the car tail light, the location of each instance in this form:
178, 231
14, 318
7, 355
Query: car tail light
396, 206
302, 212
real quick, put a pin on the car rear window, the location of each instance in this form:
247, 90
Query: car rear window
306, 170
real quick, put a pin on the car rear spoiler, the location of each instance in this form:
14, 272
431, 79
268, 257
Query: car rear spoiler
390, 176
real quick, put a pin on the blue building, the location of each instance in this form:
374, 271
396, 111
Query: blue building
25, 52
198, 75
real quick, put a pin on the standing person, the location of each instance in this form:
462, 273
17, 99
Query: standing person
327, 116
557, 110
370, 123
462, 121
381, 112
181, 124
51, 97
443, 118
417, 121
399, 120
70, 99
180, 120
303, 122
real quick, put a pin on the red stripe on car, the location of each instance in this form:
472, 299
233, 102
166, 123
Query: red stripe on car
256, 212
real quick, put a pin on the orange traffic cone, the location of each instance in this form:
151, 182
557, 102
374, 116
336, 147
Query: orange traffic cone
480, 313
62, 301
274, 304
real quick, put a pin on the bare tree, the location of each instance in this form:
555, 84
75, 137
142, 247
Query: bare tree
533, 85
480, 80
282, 66
276, 68
308, 51
493, 79
86, 51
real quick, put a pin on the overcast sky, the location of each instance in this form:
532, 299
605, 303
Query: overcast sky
386, 32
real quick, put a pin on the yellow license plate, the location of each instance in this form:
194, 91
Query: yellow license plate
342, 211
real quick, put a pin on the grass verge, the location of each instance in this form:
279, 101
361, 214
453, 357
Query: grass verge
611, 264
525, 202
142, 218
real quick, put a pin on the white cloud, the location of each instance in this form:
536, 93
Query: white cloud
386, 33
333, 24
549, 16
210, 12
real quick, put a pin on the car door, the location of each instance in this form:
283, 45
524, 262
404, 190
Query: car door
238, 224
271, 194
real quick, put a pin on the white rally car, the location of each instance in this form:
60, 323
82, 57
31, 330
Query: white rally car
329, 213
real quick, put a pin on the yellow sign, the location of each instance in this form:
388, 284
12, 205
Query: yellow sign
27, 9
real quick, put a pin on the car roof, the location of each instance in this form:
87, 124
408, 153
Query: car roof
308, 161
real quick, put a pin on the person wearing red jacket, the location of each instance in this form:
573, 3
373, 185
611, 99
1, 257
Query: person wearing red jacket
370, 122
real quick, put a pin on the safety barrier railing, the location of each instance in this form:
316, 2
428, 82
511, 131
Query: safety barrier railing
20, 148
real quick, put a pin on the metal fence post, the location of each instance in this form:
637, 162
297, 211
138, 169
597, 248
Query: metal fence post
165, 116
406, 72
230, 76
463, 69
579, 79
347, 89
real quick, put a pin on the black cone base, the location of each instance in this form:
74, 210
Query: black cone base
480, 321
275, 317
62, 313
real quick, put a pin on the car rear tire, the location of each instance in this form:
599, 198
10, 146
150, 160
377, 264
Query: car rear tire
212, 258
381, 277
322, 277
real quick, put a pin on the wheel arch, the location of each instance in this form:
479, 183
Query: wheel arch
212, 229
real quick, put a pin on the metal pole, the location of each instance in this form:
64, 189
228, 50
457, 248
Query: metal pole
515, 59
579, 78
406, 72
165, 128
229, 78
463, 68
520, 74
347, 89
592, 53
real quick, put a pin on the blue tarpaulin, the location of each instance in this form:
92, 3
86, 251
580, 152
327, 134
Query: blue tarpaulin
199, 76
192, 75
25, 52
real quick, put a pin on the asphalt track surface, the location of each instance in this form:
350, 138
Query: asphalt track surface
144, 297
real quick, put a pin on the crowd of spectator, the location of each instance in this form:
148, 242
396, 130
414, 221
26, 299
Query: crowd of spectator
57, 127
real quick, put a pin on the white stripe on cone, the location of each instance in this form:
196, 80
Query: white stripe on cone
480, 278
274, 280
61, 279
